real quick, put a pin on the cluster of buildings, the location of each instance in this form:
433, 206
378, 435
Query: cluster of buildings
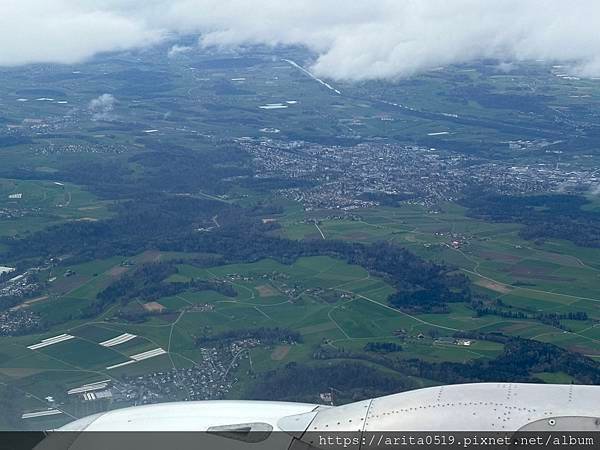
11, 213
52, 149
453, 341
41, 125
363, 175
335, 177
21, 285
14, 318
15, 322
204, 381
208, 379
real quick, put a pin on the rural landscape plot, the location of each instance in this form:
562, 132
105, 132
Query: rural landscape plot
228, 223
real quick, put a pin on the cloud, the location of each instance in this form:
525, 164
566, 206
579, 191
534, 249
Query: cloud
102, 107
178, 49
505, 67
352, 40
66, 31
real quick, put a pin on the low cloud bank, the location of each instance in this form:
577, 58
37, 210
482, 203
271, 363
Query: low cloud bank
102, 107
357, 40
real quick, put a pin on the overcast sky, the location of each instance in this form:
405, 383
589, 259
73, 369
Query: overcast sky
353, 39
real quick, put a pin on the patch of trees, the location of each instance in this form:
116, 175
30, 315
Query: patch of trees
385, 199
382, 347
325, 351
543, 216
484, 95
517, 363
144, 83
179, 173
475, 335
203, 260
269, 336
136, 313
404, 270
148, 283
552, 319
169, 223
350, 381
8, 301
434, 299
138, 225
105, 177
262, 209
176, 169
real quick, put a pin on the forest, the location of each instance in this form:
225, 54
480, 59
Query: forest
519, 362
269, 336
352, 381
382, 347
171, 223
550, 216
148, 283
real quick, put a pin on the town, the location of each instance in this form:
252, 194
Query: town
373, 173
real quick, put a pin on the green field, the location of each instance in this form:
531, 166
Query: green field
553, 277
172, 130
324, 299
43, 203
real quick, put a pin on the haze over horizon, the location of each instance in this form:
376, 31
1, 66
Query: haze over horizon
364, 40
